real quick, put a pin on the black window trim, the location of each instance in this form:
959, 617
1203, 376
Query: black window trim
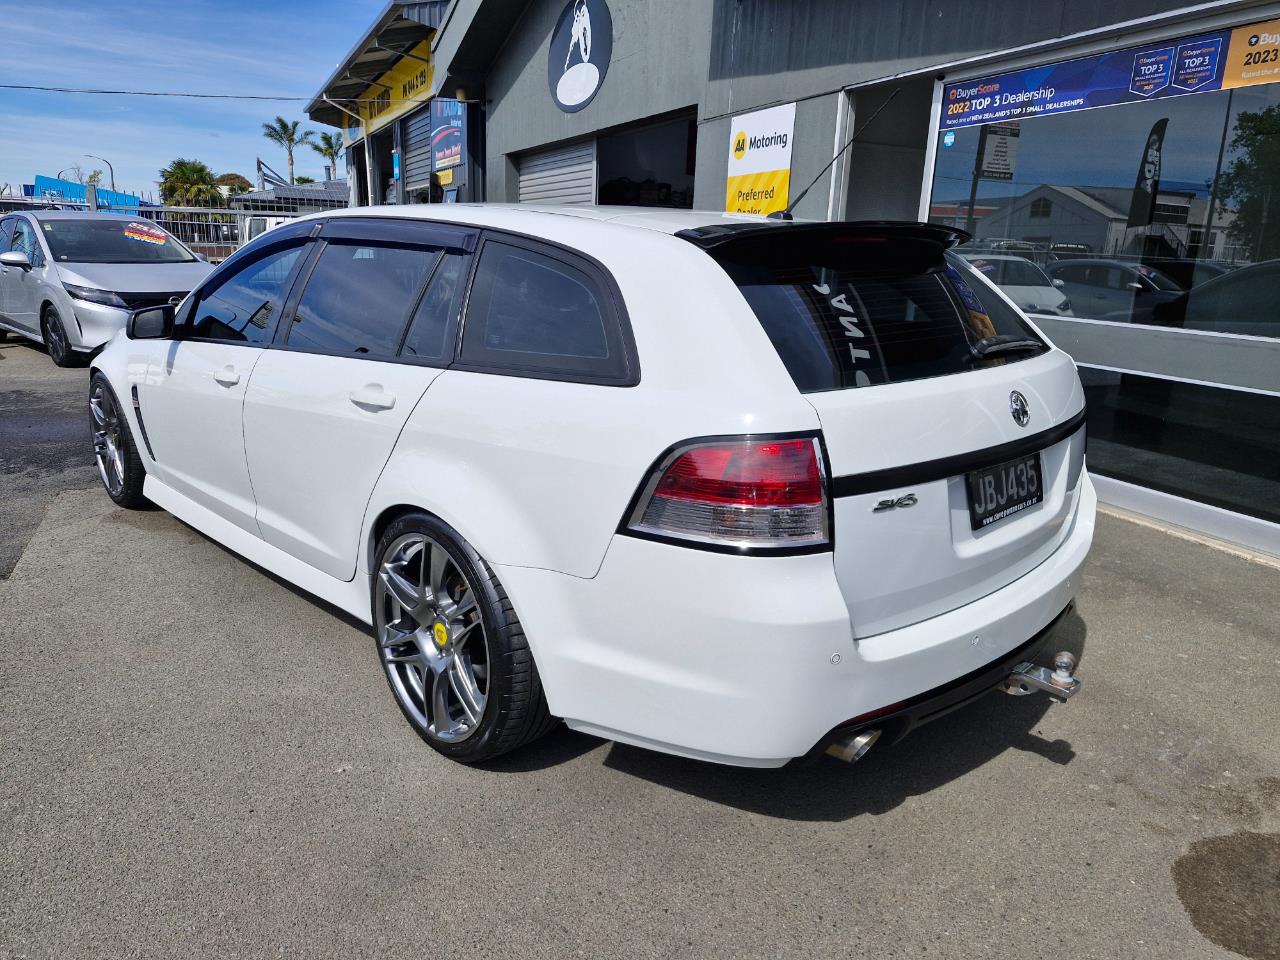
613, 313
310, 230
300, 238
400, 233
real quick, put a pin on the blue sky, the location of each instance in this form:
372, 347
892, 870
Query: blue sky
274, 47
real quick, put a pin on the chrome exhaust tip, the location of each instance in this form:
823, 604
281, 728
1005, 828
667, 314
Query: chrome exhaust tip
854, 747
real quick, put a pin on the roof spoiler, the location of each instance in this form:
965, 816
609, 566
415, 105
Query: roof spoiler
718, 234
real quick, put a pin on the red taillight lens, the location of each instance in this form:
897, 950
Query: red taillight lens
754, 492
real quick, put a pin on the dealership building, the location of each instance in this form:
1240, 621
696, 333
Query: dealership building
1118, 166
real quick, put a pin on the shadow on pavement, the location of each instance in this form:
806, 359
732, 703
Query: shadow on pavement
829, 790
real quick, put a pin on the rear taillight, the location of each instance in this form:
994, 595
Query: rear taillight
744, 494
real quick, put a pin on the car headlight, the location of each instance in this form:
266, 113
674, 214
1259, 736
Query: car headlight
105, 297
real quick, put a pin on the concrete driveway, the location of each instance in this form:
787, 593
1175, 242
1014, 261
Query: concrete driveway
197, 760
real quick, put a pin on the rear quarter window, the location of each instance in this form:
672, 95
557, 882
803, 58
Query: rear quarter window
870, 310
543, 312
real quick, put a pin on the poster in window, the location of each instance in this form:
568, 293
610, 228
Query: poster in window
448, 134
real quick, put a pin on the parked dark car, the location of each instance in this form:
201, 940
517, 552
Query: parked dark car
1242, 301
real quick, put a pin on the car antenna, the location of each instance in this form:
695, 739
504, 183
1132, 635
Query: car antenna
785, 214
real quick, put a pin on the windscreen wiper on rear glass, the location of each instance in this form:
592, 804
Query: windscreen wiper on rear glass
1005, 343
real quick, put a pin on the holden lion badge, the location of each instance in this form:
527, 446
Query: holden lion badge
1018, 407
581, 46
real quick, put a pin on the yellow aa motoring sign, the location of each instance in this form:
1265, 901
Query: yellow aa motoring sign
399, 90
760, 160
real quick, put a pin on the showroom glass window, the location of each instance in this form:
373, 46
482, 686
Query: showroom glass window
1199, 254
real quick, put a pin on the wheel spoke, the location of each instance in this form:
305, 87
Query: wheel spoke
393, 636
459, 639
439, 562
440, 704
404, 592
95, 406
464, 688
466, 604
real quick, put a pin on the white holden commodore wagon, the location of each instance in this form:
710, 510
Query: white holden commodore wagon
737, 489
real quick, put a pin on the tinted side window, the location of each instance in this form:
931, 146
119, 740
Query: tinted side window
431, 332
535, 313
6, 233
243, 306
358, 297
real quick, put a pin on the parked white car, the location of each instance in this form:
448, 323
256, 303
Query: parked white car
1023, 282
731, 488
69, 280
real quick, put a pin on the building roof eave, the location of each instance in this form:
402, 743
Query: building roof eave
409, 22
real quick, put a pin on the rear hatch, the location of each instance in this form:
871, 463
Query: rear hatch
954, 433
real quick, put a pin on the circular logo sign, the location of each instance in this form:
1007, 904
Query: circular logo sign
739, 145
578, 59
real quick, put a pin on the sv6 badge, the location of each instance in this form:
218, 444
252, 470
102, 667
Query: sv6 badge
909, 500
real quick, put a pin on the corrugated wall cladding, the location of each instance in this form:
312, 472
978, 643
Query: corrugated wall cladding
755, 37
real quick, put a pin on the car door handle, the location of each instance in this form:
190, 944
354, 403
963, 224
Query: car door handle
372, 397
227, 376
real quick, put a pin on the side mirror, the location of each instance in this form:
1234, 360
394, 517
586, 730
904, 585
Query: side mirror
200, 256
151, 323
1059, 283
15, 258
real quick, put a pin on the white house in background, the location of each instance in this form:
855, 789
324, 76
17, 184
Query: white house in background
1096, 218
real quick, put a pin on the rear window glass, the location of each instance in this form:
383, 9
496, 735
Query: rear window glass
112, 240
847, 312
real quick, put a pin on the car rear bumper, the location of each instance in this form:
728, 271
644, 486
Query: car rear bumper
751, 660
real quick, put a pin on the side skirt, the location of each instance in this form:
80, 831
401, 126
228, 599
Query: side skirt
351, 596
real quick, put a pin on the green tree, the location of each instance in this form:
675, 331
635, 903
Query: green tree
1250, 185
188, 183
284, 133
94, 179
301, 179
329, 147
234, 182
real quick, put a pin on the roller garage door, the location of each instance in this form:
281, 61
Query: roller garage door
562, 175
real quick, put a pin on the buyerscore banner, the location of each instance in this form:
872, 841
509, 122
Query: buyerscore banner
760, 160
1219, 60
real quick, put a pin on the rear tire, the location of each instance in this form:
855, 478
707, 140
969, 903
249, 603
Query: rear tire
55, 339
119, 467
452, 649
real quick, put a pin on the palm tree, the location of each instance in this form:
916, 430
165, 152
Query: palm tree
329, 147
284, 133
188, 183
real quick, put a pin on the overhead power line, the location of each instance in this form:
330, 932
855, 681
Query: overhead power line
166, 93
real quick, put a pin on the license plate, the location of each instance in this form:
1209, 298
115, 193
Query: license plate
1003, 490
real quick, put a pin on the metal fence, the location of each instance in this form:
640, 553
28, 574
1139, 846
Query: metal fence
213, 232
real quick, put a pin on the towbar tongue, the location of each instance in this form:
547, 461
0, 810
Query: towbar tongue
1060, 683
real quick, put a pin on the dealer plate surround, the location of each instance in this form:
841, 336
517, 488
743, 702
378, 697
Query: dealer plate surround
1000, 491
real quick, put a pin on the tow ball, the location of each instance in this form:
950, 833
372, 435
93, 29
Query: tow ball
1060, 683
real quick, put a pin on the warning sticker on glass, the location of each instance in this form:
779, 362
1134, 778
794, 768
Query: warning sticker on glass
145, 233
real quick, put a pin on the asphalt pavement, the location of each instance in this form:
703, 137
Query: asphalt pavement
197, 760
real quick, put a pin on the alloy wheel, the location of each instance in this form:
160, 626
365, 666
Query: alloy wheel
54, 340
432, 638
107, 438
